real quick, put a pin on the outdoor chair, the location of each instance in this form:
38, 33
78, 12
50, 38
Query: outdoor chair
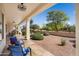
17, 50
13, 40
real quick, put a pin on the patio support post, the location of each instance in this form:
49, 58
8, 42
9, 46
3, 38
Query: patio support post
77, 29
28, 30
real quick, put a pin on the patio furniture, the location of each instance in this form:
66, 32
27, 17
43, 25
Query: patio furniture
13, 40
17, 50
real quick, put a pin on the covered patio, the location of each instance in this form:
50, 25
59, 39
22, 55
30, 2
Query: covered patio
13, 18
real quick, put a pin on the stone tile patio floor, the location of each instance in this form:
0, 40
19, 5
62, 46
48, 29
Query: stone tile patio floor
36, 49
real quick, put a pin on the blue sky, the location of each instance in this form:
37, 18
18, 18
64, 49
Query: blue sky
68, 8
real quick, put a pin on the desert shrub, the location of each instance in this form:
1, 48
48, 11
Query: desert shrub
62, 42
37, 36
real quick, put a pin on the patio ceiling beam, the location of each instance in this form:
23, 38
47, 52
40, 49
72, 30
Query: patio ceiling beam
38, 10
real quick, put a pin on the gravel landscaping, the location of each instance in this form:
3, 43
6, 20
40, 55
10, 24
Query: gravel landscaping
51, 42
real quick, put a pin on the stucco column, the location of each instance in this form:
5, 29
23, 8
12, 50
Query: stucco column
77, 28
28, 30
27, 44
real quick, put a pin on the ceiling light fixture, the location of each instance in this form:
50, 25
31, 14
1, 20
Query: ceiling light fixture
21, 7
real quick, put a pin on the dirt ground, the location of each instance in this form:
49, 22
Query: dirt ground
51, 42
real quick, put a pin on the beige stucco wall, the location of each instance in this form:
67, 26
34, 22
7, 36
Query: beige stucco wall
3, 41
77, 29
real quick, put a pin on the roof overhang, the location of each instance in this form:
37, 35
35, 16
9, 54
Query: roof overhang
37, 10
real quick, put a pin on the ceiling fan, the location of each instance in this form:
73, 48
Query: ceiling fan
21, 7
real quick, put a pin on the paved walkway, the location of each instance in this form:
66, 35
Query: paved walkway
51, 42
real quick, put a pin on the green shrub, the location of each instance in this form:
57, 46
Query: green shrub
37, 36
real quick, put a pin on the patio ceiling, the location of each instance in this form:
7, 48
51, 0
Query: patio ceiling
42, 7
13, 14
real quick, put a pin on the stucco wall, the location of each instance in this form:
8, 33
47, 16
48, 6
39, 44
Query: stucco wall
2, 41
77, 29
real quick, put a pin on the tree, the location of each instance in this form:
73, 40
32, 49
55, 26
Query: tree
31, 22
57, 18
69, 28
46, 27
34, 26
73, 28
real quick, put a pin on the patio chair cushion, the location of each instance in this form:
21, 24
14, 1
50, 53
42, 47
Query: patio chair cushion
24, 50
13, 40
16, 51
